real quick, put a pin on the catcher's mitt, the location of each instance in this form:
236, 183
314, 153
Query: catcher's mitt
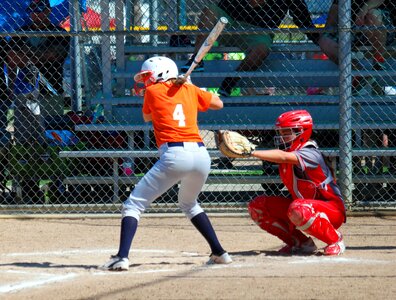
234, 145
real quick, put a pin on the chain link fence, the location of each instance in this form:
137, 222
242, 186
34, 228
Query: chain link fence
72, 135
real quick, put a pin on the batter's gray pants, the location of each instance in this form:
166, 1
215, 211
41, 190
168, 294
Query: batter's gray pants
189, 165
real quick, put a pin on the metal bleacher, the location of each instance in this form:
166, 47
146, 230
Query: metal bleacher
289, 65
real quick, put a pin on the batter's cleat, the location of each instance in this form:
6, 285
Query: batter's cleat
306, 248
337, 248
116, 263
225, 258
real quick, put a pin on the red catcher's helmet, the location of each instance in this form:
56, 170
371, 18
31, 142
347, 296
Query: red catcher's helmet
300, 124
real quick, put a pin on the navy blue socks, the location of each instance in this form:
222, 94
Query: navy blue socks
128, 230
202, 223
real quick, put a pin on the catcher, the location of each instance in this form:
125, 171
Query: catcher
315, 207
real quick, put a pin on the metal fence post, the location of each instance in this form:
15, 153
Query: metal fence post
76, 61
120, 47
344, 28
154, 21
106, 55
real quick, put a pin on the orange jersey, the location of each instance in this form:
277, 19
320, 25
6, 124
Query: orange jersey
174, 111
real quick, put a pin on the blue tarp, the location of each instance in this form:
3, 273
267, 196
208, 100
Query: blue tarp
13, 12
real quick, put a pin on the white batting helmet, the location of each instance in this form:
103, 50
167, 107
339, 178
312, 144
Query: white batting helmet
157, 69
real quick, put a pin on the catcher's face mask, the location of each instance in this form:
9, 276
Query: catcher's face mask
286, 138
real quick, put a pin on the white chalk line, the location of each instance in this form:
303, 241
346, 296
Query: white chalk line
294, 259
235, 266
190, 254
47, 278
50, 278
24, 272
111, 273
83, 251
227, 266
337, 260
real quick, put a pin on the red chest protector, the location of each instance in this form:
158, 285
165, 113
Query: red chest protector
314, 185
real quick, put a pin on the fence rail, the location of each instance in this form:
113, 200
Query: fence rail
72, 135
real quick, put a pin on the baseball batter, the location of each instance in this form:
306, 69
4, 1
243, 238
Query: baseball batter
315, 207
173, 110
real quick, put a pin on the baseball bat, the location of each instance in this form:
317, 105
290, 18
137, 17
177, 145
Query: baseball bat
205, 47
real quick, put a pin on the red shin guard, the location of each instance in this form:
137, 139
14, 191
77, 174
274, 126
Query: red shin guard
313, 223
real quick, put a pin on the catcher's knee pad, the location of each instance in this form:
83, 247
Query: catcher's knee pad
316, 224
256, 208
300, 212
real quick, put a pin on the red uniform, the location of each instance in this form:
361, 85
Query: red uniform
315, 206
315, 201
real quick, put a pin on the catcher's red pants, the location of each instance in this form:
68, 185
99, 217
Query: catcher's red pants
288, 219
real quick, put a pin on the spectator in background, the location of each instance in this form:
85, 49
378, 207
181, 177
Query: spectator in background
4, 105
372, 13
364, 13
4, 95
30, 58
250, 14
47, 53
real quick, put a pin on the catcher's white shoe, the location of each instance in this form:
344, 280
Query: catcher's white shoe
225, 258
116, 264
337, 248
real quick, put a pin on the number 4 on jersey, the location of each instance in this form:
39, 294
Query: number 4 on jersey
178, 115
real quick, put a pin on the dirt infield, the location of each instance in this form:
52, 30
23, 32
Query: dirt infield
57, 259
